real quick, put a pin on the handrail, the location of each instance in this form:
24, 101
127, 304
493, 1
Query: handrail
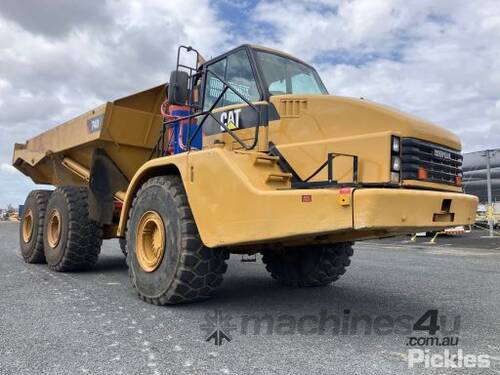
227, 86
329, 163
206, 114
298, 182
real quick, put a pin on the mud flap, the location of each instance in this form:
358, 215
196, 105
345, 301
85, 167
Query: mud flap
105, 180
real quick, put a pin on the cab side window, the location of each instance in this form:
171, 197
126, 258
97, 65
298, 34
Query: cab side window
235, 70
214, 86
240, 76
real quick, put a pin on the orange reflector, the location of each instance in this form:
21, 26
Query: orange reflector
458, 180
422, 173
345, 190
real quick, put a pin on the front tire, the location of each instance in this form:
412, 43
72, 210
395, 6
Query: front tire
72, 241
305, 266
31, 228
168, 263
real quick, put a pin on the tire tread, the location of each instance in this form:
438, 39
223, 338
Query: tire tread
330, 263
84, 239
201, 268
41, 198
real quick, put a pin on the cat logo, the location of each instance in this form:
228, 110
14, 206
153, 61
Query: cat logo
231, 119
94, 124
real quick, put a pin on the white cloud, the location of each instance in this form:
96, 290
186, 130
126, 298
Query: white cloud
7, 168
53, 79
58, 60
436, 59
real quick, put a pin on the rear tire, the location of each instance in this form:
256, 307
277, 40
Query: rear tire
31, 228
168, 263
318, 265
72, 241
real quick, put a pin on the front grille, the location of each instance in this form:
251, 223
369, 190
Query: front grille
441, 164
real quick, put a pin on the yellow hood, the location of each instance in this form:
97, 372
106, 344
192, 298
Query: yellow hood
325, 116
312, 126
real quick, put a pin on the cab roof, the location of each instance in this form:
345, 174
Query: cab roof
258, 48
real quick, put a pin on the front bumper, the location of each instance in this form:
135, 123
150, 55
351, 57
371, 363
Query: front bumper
402, 210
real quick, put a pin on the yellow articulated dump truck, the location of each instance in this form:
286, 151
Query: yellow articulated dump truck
246, 153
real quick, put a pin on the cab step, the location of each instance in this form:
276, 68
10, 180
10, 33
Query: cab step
259, 157
278, 177
263, 158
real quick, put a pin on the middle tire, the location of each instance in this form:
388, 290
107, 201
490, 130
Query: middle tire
72, 241
303, 266
168, 263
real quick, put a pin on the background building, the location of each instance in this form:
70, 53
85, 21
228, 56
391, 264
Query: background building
475, 176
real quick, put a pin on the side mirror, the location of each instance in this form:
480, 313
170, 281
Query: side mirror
178, 87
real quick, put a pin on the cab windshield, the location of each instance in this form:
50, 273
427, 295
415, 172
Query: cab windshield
283, 75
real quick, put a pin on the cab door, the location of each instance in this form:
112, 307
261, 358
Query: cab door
229, 109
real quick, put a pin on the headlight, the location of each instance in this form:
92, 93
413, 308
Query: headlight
396, 164
396, 145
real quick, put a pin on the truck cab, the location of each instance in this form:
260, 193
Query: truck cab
285, 99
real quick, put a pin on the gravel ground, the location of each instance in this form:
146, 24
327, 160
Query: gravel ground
92, 322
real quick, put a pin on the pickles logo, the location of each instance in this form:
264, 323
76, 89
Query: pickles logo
447, 359
231, 119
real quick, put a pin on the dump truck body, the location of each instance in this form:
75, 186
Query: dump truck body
126, 129
261, 161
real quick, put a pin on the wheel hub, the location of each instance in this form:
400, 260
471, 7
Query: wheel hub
27, 227
150, 241
54, 228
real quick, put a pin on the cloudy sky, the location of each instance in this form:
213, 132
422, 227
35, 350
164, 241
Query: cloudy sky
438, 59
